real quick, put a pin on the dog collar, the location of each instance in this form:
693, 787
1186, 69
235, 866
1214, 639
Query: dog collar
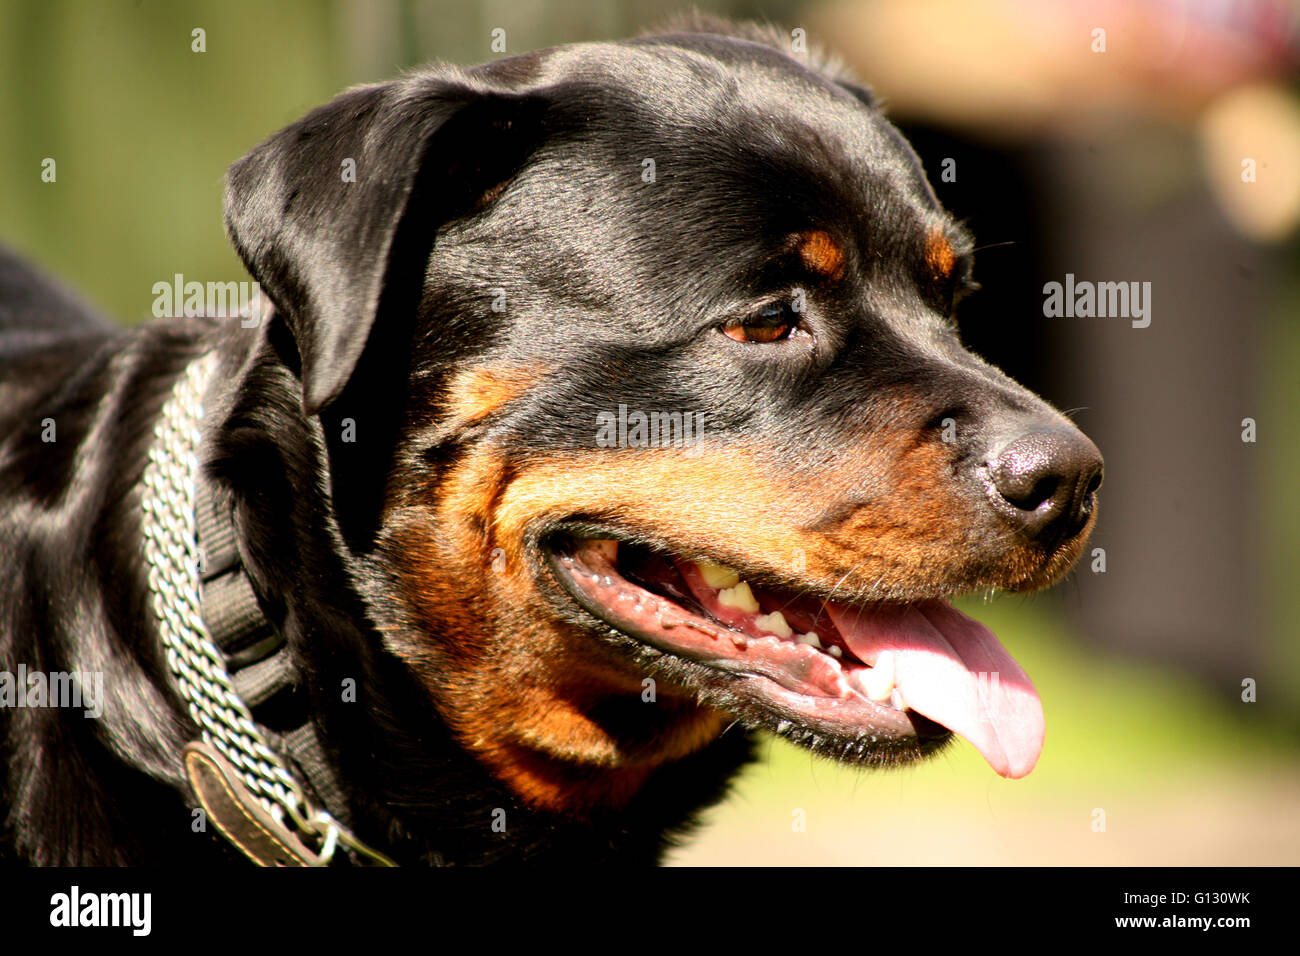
227, 660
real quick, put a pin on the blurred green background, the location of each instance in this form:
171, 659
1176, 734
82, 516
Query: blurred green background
142, 129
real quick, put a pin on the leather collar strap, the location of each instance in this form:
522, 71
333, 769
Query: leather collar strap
239, 816
231, 665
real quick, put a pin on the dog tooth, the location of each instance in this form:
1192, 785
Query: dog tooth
774, 623
810, 639
739, 597
834, 651
880, 679
896, 700
717, 575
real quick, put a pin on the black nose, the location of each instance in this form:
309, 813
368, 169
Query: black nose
1046, 479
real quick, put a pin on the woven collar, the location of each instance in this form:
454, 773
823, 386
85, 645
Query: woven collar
226, 658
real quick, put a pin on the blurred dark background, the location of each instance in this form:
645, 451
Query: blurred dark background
1118, 163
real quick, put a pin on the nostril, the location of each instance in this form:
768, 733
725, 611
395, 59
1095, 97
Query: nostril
1043, 490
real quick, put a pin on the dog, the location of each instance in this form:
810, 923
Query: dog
606, 409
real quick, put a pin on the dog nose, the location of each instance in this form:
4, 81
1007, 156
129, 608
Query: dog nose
1046, 481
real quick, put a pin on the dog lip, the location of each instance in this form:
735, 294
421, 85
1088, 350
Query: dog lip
798, 686
924, 656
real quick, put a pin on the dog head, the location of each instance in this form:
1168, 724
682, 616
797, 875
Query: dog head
676, 426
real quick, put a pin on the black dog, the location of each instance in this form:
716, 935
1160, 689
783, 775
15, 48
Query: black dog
609, 407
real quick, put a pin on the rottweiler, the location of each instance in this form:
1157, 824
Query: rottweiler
606, 407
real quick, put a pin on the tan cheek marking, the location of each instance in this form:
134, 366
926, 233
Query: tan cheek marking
517, 690
822, 254
939, 255
710, 500
476, 393
916, 531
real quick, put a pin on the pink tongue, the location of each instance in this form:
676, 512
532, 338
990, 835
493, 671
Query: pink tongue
953, 670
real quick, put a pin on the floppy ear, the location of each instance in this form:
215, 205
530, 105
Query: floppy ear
330, 212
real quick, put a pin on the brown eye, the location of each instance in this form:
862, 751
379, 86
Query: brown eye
770, 324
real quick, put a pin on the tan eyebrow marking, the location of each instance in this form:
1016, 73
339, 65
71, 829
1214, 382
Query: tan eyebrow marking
822, 254
939, 255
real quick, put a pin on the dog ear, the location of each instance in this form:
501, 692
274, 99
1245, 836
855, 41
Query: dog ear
333, 212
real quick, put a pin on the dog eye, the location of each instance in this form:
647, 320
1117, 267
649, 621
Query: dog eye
772, 323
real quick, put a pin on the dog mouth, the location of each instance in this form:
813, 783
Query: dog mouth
874, 683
